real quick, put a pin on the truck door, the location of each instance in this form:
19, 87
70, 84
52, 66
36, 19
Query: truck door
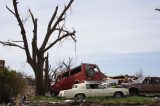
155, 85
147, 86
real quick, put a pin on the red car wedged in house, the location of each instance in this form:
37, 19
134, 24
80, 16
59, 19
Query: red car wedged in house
84, 72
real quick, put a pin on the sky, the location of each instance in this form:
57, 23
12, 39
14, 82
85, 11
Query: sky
120, 36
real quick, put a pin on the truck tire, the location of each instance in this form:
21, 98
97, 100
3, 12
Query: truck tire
90, 73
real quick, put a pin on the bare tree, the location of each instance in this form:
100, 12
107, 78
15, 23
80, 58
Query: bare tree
139, 74
68, 64
36, 55
62, 66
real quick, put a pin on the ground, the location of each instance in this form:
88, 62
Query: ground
94, 101
104, 101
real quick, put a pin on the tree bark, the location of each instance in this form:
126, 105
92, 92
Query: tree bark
47, 80
39, 82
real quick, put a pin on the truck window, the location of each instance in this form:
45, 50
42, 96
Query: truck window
147, 81
65, 75
156, 81
74, 71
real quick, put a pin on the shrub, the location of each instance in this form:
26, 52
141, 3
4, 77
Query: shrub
11, 84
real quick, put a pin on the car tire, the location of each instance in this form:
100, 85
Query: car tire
53, 93
79, 97
118, 94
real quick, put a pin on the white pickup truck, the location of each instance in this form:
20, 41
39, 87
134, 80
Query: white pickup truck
82, 90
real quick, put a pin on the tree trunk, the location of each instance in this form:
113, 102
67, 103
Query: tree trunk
47, 82
39, 82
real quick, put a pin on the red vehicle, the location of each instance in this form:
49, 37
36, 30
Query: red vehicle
84, 72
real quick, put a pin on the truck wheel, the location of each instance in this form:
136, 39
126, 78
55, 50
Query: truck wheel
90, 73
118, 94
134, 92
79, 97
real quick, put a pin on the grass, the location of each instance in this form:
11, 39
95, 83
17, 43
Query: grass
124, 100
46, 99
131, 100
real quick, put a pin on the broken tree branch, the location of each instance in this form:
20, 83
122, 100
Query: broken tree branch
59, 39
34, 40
52, 19
50, 31
11, 44
23, 32
10, 10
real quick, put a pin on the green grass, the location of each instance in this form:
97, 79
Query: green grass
124, 100
46, 99
131, 100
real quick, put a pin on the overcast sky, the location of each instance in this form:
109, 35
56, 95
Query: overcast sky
120, 36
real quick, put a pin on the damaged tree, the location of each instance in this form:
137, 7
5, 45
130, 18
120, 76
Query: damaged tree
62, 67
36, 55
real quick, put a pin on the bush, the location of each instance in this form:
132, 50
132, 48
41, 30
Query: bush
11, 84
